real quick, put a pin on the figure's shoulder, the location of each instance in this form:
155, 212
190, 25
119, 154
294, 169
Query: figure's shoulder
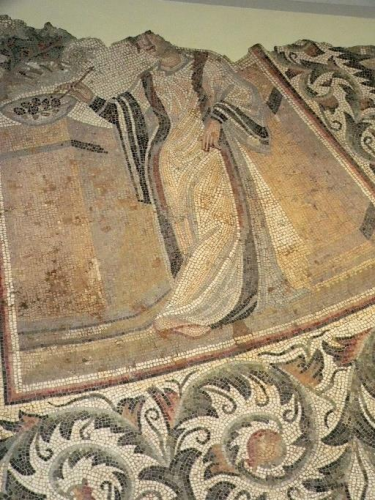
214, 59
147, 73
216, 63
144, 78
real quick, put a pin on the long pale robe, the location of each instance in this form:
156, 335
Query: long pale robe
202, 199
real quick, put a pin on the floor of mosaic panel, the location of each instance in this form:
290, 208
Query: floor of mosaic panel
187, 270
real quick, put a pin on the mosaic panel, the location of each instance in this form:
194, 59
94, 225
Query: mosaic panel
187, 270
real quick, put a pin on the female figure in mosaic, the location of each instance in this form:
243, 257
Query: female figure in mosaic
185, 126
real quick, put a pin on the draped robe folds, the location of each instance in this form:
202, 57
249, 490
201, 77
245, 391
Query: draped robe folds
201, 198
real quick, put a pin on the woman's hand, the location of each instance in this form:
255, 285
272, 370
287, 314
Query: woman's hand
79, 90
211, 135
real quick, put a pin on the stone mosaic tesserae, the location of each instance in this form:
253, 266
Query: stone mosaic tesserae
187, 270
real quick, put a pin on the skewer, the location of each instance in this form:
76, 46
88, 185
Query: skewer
90, 69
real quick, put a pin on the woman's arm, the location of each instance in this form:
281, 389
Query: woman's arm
127, 112
236, 105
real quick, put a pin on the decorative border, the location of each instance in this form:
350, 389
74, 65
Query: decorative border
269, 66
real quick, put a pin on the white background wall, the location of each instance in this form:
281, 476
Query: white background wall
227, 30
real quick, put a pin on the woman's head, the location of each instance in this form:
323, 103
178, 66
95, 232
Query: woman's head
152, 44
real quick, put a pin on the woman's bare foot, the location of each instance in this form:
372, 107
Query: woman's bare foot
166, 328
165, 333
193, 331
